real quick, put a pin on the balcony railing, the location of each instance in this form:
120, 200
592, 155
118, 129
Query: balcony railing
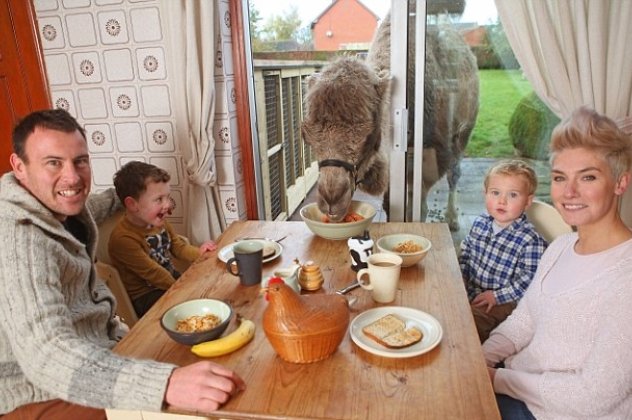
287, 164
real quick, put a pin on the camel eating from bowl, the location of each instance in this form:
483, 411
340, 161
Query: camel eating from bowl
348, 119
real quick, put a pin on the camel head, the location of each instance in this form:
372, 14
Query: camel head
342, 124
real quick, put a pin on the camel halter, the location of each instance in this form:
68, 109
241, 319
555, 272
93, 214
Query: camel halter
352, 169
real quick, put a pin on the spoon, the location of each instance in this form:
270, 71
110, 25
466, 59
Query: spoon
348, 288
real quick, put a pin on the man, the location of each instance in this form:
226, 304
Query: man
57, 322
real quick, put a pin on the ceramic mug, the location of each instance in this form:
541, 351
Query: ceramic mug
248, 260
383, 275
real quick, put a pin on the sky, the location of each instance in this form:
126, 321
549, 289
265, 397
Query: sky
481, 11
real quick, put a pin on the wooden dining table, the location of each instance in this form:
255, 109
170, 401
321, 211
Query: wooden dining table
448, 382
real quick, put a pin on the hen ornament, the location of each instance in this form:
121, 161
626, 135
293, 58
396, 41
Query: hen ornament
304, 328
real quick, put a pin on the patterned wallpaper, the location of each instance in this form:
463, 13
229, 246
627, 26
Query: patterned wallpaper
107, 63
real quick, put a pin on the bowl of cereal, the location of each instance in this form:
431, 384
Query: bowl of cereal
196, 321
412, 248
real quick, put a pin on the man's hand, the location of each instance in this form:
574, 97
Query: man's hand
202, 386
485, 300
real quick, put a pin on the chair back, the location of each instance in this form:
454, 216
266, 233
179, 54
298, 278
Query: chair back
112, 278
105, 231
547, 220
110, 275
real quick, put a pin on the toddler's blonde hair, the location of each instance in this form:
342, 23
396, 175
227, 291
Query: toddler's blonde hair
514, 167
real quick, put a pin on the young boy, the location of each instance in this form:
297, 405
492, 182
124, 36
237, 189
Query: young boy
500, 254
143, 242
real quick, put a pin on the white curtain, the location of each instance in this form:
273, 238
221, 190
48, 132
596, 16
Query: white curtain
576, 52
190, 27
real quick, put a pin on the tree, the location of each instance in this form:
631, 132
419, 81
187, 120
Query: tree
284, 27
255, 18
255, 32
499, 44
280, 32
304, 38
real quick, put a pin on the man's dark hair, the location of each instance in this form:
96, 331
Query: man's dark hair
51, 119
131, 180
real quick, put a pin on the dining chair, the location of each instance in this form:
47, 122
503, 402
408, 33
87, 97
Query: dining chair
110, 275
547, 220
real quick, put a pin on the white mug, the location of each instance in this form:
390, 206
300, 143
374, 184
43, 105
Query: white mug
383, 274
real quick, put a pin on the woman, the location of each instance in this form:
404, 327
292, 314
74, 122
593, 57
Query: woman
567, 348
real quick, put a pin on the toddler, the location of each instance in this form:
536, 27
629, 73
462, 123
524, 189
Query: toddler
501, 252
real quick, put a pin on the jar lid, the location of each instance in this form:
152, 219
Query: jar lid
310, 266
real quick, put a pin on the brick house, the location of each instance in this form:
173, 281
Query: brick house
344, 25
474, 35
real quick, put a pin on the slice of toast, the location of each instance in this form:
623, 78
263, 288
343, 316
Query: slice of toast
390, 331
403, 338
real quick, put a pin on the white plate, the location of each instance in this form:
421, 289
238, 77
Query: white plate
428, 325
226, 253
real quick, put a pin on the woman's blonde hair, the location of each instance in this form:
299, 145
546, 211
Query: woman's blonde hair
588, 129
514, 167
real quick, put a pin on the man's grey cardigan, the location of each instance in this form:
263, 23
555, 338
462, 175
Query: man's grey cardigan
56, 317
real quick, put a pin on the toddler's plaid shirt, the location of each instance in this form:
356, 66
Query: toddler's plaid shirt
504, 262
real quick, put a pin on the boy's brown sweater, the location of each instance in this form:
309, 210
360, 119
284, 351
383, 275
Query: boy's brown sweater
130, 253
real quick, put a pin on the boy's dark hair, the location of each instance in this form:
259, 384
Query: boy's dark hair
131, 180
52, 119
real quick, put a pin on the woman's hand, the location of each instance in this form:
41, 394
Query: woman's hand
202, 386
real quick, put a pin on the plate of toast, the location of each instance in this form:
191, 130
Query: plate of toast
396, 331
271, 250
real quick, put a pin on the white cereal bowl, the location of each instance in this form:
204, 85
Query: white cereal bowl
388, 243
313, 218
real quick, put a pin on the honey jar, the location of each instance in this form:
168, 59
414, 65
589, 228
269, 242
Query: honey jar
310, 276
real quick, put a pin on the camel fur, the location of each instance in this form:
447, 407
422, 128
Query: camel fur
349, 118
343, 121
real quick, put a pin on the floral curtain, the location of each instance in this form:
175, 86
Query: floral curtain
191, 32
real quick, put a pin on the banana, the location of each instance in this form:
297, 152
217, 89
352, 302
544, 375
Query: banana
228, 344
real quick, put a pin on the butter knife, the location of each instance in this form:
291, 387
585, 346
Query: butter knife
265, 239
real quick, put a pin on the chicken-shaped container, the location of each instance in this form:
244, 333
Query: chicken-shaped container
304, 328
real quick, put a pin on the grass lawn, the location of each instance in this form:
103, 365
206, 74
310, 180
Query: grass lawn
500, 92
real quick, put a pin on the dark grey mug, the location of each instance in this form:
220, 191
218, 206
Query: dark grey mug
248, 261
